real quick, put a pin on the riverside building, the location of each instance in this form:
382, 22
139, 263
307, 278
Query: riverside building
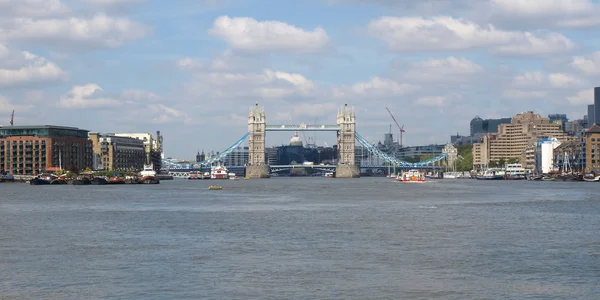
513, 139
117, 153
31, 150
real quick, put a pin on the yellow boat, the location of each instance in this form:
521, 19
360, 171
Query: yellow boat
215, 187
246, 178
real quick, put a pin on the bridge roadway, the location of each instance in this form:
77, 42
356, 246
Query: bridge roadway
183, 173
302, 127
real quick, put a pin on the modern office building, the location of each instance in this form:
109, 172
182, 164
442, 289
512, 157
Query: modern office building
237, 157
117, 153
591, 113
562, 118
481, 126
513, 139
31, 150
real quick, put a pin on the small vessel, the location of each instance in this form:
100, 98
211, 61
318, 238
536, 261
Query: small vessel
232, 176
246, 178
218, 172
81, 181
194, 175
215, 187
116, 180
514, 172
412, 176
591, 178
148, 175
99, 181
491, 174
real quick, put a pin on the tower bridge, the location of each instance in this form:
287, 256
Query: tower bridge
347, 137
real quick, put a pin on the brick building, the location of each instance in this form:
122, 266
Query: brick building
30, 150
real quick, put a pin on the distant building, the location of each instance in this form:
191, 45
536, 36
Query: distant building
30, 150
481, 126
562, 118
200, 156
591, 113
117, 153
515, 138
237, 157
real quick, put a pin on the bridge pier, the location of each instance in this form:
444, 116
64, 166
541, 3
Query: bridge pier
261, 171
345, 171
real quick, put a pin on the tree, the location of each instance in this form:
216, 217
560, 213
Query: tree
501, 162
512, 160
465, 163
493, 164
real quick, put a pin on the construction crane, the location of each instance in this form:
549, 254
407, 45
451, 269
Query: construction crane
401, 128
12, 117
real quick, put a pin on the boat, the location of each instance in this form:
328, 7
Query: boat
328, 175
81, 181
413, 176
490, 174
148, 175
215, 187
116, 180
514, 172
591, 178
218, 172
194, 175
232, 176
99, 181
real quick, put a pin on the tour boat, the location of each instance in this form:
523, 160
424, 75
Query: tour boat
218, 172
194, 175
413, 176
148, 175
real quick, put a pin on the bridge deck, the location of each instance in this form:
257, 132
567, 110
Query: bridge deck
302, 127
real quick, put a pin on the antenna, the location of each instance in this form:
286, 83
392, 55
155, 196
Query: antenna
12, 117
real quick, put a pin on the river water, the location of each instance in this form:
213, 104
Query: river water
301, 238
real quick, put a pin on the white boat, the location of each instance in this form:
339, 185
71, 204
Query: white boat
218, 172
328, 175
148, 175
232, 176
412, 176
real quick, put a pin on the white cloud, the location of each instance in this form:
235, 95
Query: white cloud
432, 101
165, 114
268, 36
98, 31
33, 8
524, 94
555, 13
589, 65
188, 64
563, 80
267, 85
111, 2
447, 70
529, 79
137, 95
87, 96
18, 68
582, 97
409, 34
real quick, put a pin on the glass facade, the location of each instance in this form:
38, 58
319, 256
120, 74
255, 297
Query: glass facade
43, 132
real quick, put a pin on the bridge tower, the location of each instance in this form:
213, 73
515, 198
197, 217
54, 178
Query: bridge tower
257, 168
346, 167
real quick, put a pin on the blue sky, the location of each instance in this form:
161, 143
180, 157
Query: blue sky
191, 68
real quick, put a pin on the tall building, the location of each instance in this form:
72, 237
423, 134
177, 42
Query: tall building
591, 113
513, 139
596, 106
237, 157
30, 150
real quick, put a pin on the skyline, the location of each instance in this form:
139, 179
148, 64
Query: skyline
193, 69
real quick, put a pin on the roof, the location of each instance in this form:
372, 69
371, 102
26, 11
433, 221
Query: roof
594, 129
40, 126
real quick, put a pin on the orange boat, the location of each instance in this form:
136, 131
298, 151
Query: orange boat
412, 176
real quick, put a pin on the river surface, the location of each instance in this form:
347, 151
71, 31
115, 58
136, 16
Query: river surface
301, 238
